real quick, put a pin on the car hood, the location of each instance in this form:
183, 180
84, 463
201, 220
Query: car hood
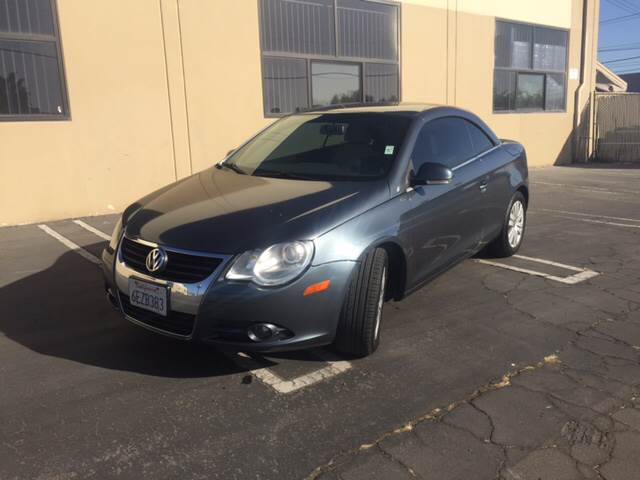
220, 211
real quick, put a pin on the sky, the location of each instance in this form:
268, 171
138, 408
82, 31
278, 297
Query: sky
620, 35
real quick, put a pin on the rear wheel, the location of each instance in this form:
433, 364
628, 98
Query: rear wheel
358, 332
510, 238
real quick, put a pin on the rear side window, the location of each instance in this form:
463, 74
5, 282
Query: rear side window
481, 142
444, 140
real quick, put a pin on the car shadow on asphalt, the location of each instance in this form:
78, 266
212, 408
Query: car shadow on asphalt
63, 312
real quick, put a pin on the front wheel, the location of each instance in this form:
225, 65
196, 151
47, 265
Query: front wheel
358, 332
510, 238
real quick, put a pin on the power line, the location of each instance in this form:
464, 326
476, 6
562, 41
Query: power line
618, 49
631, 5
627, 44
622, 18
622, 59
625, 5
624, 72
621, 5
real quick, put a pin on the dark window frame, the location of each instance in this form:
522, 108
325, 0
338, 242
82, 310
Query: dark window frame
57, 40
335, 58
531, 70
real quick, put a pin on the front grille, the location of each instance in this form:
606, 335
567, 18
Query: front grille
175, 322
181, 267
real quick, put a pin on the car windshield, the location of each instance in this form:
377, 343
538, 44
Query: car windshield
331, 146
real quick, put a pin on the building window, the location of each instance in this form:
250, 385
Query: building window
325, 52
31, 75
530, 68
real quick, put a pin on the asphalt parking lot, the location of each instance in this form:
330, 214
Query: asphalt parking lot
519, 368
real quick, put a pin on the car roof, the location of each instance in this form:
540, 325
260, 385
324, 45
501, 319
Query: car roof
409, 108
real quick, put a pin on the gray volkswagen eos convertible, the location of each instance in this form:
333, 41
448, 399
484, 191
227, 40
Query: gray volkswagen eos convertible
298, 237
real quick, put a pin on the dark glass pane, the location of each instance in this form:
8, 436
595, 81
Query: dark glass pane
504, 90
444, 141
29, 78
284, 83
554, 98
26, 16
513, 45
481, 143
333, 83
549, 49
297, 26
326, 146
530, 91
367, 30
381, 82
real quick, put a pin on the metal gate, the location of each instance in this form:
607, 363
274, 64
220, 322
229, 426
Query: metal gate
617, 127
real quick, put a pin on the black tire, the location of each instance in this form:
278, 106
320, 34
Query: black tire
501, 247
358, 333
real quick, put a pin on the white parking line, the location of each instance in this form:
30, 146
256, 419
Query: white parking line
280, 385
586, 188
602, 222
581, 275
93, 230
581, 214
70, 245
591, 218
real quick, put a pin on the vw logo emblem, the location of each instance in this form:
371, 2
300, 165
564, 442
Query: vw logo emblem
156, 260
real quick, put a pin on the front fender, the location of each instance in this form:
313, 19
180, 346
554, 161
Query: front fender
352, 239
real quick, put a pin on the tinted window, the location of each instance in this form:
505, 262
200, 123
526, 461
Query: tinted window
504, 90
337, 51
281, 23
345, 146
481, 143
334, 83
381, 82
554, 92
367, 30
26, 17
444, 141
530, 91
530, 67
284, 85
31, 82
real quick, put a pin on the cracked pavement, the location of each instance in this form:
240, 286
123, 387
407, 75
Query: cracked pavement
486, 373
573, 415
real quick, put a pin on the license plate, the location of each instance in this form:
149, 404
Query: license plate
148, 296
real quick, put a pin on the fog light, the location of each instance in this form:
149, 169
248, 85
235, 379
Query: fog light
259, 332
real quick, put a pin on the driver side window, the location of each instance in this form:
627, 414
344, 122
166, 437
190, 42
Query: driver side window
444, 140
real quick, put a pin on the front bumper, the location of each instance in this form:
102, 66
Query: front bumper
221, 311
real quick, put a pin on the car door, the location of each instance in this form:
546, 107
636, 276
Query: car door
494, 182
444, 221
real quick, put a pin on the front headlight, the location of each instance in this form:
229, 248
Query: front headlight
115, 236
276, 265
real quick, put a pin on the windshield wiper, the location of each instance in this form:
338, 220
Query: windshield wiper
231, 166
279, 174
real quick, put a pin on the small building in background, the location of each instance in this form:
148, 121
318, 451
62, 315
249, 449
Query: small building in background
607, 81
633, 81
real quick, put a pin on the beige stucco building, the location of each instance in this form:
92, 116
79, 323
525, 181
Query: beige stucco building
121, 97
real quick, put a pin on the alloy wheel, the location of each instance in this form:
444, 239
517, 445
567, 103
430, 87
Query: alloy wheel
516, 224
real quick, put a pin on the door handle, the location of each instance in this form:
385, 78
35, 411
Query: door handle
483, 186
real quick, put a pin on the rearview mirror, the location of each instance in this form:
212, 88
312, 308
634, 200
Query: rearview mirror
432, 174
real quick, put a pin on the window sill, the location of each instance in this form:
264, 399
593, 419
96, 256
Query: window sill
506, 112
34, 118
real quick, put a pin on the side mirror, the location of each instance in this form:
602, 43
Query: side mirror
432, 174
